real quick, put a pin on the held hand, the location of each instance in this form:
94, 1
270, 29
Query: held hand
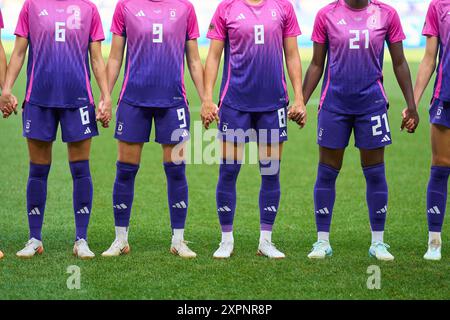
8, 105
298, 114
104, 112
410, 120
209, 113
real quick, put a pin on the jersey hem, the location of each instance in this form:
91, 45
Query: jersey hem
255, 110
144, 105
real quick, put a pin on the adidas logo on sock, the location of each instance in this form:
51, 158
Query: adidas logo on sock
323, 211
121, 206
85, 210
386, 139
342, 22
382, 210
434, 210
34, 212
140, 14
224, 209
88, 131
43, 13
180, 205
271, 209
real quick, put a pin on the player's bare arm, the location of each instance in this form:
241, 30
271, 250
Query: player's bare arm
14, 67
297, 112
315, 71
98, 67
196, 67
209, 111
3, 64
426, 68
115, 60
403, 75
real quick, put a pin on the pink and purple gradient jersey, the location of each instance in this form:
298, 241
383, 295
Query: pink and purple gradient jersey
156, 33
437, 24
59, 33
353, 80
253, 79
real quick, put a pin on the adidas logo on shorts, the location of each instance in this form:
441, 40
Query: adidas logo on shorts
386, 139
434, 210
283, 134
87, 131
180, 205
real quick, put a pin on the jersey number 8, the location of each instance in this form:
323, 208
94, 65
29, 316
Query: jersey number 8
259, 34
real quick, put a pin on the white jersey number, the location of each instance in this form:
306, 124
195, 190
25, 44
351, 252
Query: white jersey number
60, 31
182, 117
84, 114
158, 33
73, 22
282, 117
355, 40
377, 126
259, 34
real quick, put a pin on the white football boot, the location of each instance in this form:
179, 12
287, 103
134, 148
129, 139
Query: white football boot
81, 250
379, 250
180, 248
321, 249
225, 250
434, 251
118, 247
268, 249
32, 247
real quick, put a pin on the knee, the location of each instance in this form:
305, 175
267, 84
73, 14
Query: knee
229, 171
126, 171
176, 172
327, 174
39, 171
441, 161
375, 175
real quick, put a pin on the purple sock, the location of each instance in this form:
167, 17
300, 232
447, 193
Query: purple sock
36, 198
177, 193
269, 194
226, 194
82, 196
123, 193
376, 195
325, 196
437, 197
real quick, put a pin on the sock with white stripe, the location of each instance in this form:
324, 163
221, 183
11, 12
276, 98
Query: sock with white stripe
437, 197
324, 197
82, 196
36, 198
226, 194
177, 193
376, 196
123, 194
269, 194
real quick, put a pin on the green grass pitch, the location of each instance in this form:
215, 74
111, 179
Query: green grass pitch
150, 272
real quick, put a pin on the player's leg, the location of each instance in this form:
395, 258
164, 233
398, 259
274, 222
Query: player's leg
233, 128
39, 127
269, 196
172, 132
78, 127
133, 127
437, 188
333, 134
372, 135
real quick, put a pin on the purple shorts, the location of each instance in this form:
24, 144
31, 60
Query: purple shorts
242, 127
371, 130
440, 113
134, 124
41, 123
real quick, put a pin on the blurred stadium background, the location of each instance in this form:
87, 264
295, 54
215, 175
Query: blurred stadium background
412, 13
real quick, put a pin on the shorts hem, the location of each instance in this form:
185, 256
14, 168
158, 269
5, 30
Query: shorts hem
27, 136
131, 140
79, 139
373, 147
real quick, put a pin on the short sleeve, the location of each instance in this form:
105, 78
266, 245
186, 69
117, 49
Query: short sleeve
118, 22
192, 25
96, 33
319, 34
395, 30
2, 25
431, 27
291, 27
217, 28
23, 27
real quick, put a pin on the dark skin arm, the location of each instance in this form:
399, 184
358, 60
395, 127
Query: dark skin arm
315, 70
403, 75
